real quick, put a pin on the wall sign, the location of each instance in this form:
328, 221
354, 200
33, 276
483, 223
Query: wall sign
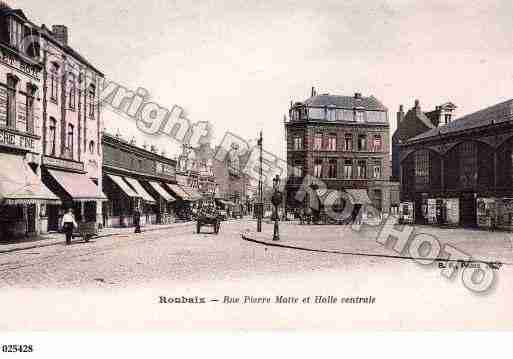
62, 163
16, 140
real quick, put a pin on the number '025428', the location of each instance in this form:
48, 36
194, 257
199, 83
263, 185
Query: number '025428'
23, 348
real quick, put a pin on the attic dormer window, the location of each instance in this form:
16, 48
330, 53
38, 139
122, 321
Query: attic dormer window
16, 32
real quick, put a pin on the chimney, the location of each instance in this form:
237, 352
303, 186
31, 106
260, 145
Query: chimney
417, 104
400, 116
60, 32
358, 95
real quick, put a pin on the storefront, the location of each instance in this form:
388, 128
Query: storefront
23, 197
505, 213
135, 179
407, 213
76, 191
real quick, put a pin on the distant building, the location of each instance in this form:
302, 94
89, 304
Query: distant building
415, 122
461, 173
344, 142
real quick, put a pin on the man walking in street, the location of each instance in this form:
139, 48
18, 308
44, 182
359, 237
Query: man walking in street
137, 221
68, 223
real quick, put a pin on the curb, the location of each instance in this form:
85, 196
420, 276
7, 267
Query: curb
59, 241
389, 256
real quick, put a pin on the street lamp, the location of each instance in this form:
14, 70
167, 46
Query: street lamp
260, 205
276, 200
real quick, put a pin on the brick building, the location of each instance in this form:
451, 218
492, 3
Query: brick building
342, 141
461, 173
415, 122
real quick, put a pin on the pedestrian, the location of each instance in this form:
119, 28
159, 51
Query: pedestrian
68, 223
137, 221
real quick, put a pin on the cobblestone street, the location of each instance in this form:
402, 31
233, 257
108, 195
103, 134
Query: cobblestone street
121, 280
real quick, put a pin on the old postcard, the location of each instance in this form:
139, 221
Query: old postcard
255, 165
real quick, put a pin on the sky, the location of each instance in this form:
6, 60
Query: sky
238, 64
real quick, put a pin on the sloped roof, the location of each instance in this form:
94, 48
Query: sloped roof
494, 114
347, 102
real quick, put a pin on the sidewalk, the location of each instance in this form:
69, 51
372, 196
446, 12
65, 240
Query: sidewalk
481, 246
58, 238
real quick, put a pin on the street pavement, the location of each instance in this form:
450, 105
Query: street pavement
117, 283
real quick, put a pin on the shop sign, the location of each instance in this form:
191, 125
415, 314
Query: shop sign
62, 163
22, 66
17, 140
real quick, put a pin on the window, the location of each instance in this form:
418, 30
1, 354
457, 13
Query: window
447, 118
298, 169
91, 147
318, 142
377, 144
332, 142
51, 135
422, 167
317, 113
348, 142
16, 33
91, 96
54, 81
468, 164
331, 114
318, 168
298, 143
348, 169
362, 142
361, 169
332, 168
376, 170
29, 111
358, 116
72, 91
70, 140
12, 83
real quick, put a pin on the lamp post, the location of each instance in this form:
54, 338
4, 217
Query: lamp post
260, 206
276, 200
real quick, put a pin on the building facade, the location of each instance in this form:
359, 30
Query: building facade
136, 178
23, 196
461, 173
342, 141
414, 123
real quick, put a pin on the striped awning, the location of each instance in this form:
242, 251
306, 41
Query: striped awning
179, 191
20, 185
78, 186
162, 192
140, 190
123, 186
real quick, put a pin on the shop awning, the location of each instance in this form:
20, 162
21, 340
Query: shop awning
359, 196
20, 185
78, 186
193, 193
140, 190
179, 191
161, 191
123, 185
